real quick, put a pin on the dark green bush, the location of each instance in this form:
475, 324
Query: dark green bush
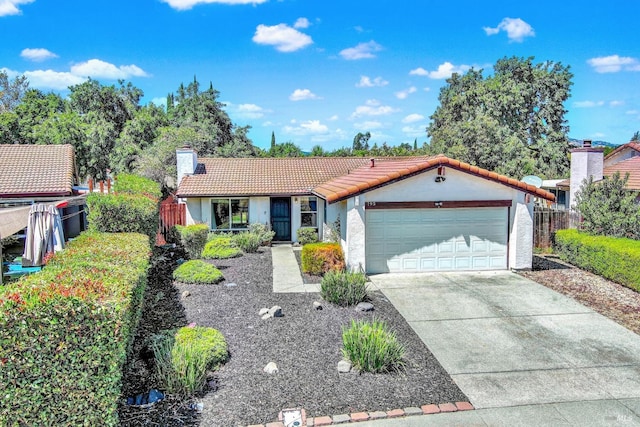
193, 238
123, 213
65, 332
220, 247
343, 288
616, 259
372, 347
247, 242
126, 183
318, 258
198, 272
307, 235
183, 357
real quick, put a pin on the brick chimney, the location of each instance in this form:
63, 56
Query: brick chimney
186, 161
586, 162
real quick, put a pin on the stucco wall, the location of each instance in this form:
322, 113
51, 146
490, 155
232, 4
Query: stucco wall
585, 162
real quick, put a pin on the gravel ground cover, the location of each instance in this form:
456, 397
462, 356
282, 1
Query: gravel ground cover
610, 299
305, 344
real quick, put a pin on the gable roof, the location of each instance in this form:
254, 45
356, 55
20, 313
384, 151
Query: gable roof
630, 166
36, 170
633, 145
368, 178
263, 176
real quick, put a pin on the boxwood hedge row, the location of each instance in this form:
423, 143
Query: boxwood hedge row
616, 259
65, 332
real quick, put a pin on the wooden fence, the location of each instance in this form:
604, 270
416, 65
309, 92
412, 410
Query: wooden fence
171, 214
547, 221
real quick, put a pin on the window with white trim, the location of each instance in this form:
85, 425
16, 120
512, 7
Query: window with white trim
229, 214
309, 212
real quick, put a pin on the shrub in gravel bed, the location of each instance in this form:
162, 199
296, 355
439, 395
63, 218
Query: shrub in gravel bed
265, 233
193, 238
221, 247
184, 355
318, 258
247, 242
198, 272
307, 235
343, 288
372, 347
616, 259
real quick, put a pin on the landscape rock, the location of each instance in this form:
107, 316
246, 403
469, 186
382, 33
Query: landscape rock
364, 306
186, 294
263, 311
317, 305
266, 316
276, 311
271, 368
344, 366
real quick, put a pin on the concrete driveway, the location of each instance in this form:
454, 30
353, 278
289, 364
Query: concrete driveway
510, 342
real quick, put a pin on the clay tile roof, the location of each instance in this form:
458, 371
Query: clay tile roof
36, 170
630, 166
634, 145
367, 178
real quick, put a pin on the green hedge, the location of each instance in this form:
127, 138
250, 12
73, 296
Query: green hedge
132, 208
318, 258
221, 247
198, 272
192, 238
65, 332
616, 259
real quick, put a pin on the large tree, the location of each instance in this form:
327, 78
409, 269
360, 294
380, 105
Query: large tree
11, 91
512, 122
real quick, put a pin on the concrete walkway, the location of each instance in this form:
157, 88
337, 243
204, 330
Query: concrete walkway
523, 354
286, 272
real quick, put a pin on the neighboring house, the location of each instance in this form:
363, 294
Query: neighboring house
589, 161
392, 214
559, 190
41, 174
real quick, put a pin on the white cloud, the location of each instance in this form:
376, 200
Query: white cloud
246, 111
414, 131
309, 127
616, 103
334, 118
372, 108
368, 125
361, 51
412, 118
97, 68
10, 7
188, 4
37, 54
446, 69
588, 104
302, 95
366, 81
302, 23
403, 94
418, 72
614, 63
632, 112
515, 28
282, 37
52, 79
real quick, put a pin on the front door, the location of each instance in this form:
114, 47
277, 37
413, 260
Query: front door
281, 218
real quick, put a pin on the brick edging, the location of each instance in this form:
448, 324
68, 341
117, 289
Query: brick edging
377, 415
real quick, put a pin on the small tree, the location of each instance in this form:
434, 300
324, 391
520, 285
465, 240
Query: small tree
608, 208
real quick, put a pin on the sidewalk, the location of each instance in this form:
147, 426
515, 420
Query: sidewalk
286, 273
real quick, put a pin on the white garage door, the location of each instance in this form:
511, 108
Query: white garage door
413, 240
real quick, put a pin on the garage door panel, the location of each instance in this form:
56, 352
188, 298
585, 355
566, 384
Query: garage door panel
436, 239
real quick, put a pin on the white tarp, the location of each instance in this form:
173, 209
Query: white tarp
12, 220
44, 234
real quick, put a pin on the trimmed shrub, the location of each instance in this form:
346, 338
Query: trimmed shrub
265, 233
220, 247
65, 332
123, 213
193, 238
247, 242
372, 347
307, 235
126, 183
198, 272
616, 259
343, 288
318, 258
184, 355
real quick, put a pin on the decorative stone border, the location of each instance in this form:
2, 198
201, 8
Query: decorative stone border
376, 415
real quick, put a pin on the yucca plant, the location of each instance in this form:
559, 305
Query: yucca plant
372, 347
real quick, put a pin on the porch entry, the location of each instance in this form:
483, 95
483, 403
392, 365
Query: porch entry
281, 218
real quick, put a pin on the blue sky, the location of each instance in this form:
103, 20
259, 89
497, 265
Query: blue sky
318, 72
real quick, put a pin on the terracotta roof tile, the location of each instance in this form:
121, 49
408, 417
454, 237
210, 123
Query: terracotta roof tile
368, 178
36, 170
630, 166
634, 145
